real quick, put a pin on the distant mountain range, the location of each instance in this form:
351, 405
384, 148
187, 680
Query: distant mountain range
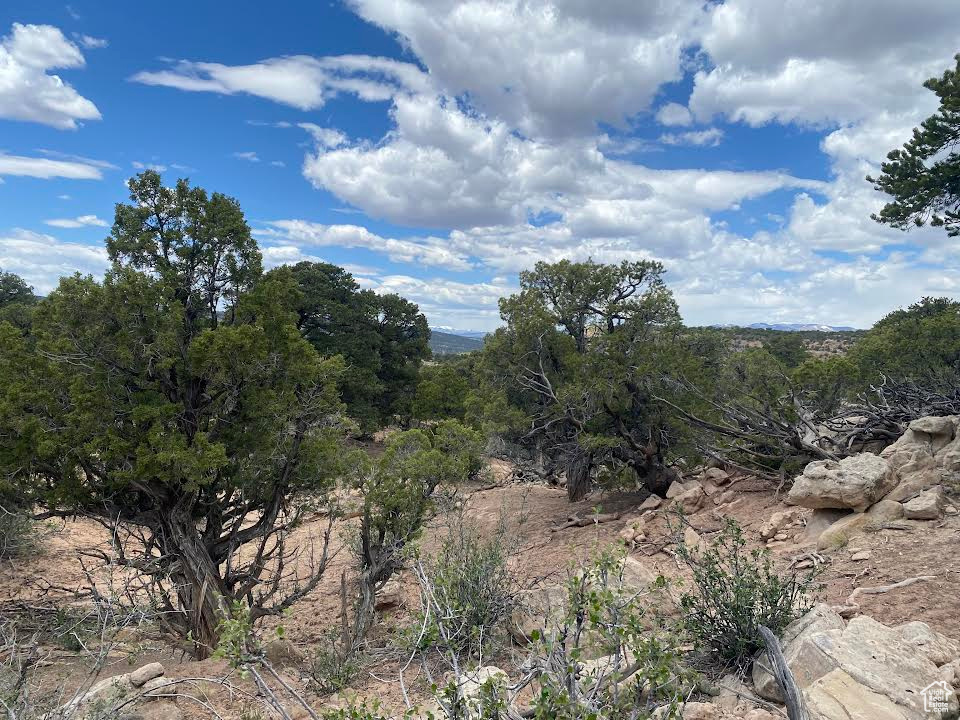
445, 343
794, 327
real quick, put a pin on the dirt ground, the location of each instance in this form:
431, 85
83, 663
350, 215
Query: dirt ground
544, 554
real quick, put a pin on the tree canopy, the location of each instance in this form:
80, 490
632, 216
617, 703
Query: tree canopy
176, 403
382, 338
923, 176
584, 356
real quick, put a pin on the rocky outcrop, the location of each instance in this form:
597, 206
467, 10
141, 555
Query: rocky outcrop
805, 664
926, 455
863, 666
854, 483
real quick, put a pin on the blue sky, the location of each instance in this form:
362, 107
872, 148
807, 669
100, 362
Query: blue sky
436, 148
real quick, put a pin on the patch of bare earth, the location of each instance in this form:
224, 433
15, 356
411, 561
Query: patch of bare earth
532, 514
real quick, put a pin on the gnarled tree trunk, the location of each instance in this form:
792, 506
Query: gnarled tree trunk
578, 476
197, 581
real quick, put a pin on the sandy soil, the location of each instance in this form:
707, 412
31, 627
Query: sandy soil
544, 555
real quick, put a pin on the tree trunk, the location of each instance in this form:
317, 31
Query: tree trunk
578, 477
657, 479
199, 587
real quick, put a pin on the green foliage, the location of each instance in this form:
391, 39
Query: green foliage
16, 300
173, 395
788, 348
469, 581
331, 667
14, 291
735, 590
924, 176
584, 358
382, 338
397, 491
921, 342
605, 614
442, 390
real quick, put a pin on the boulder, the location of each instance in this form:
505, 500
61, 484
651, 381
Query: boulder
778, 521
637, 575
718, 476
878, 658
838, 534
820, 519
691, 500
928, 505
855, 482
678, 488
938, 648
926, 454
803, 659
651, 503
837, 696
144, 674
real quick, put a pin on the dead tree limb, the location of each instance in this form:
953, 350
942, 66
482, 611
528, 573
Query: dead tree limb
793, 698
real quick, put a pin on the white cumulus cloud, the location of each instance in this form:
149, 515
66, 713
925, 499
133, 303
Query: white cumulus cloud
28, 91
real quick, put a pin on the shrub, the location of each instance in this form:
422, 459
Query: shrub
737, 590
468, 589
332, 666
640, 673
17, 534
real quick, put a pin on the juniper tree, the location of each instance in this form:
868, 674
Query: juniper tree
176, 403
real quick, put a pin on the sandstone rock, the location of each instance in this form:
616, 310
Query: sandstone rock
146, 673
878, 658
855, 482
806, 666
926, 454
637, 575
778, 521
942, 426
691, 500
837, 696
678, 488
709, 488
838, 534
651, 503
938, 648
760, 714
390, 595
471, 682
693, 542
159, 687
928, 505
470, 685
820, 519
717, 475
861, 556
537, 610
734, 694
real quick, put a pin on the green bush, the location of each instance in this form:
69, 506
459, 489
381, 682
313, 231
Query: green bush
735, 591
469, 590
332, 665
607, 616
